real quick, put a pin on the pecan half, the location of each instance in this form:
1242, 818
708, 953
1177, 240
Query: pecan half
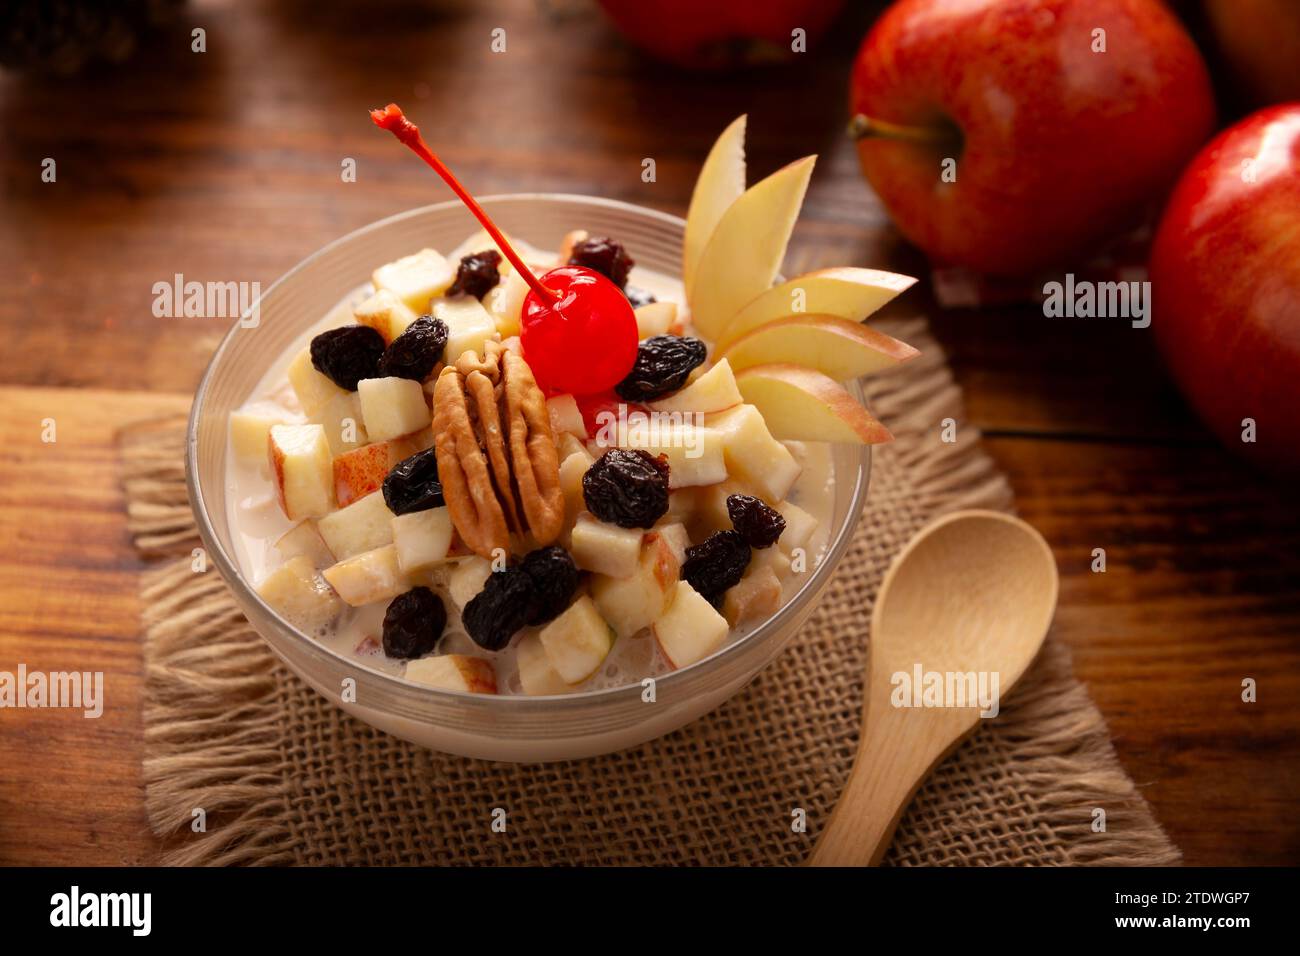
496, 454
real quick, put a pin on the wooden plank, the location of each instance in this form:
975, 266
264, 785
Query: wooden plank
71, 792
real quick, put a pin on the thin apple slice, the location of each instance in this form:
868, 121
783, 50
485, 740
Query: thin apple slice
841, 348
801, 404
844, 292
720, 183
744, 254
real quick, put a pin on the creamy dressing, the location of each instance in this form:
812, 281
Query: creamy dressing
257, 522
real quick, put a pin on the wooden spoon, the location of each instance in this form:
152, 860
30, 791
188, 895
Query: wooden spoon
974, 591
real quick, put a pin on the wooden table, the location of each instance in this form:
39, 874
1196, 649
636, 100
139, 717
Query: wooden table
225, 165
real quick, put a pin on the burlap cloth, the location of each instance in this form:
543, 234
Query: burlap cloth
286, 777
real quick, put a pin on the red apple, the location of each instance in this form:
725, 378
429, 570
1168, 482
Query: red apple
1057, 145
1260, 39
1225, 285
719, 33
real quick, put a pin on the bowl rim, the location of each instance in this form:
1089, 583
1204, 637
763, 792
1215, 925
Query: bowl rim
229, 569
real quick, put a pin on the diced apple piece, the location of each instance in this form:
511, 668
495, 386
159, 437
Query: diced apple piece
605, 548
656, 318
312, 388
682, 504
422, 538
840, 348
755, 597
359, 472
536, 675
392, 407
805, 405
299, 595
342, 419
467, 579
567, 443
635, 602
690, 630
577, 641
694, 452
753, 456
469, 325
386, 314
799, 526
249, 428
482, 241
744, 254
570, 240
304, 540
566, 417
774, 558
368, 577
572, 469
720, 183
674, 535
303, 469
415, 279
364, 525
469, 675
713, 391
844, 292
506, 303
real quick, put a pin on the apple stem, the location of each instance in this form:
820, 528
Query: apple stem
863, 126
394, 120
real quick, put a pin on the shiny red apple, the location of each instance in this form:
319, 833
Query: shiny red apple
1064, 119
720, 33
1225, 286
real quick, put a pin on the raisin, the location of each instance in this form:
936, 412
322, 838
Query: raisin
716, 563
758, 524
638, 296
413, 484
603, 255
477, 274
503, 607
415, 352
555, 579
663, 364
627, 487
413, 623
347, 355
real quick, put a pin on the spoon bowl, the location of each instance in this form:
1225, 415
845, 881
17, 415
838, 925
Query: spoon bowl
961, 614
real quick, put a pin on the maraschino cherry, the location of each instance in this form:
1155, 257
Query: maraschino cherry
578, 331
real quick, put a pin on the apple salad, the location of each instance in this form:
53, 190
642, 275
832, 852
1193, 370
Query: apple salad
408, 489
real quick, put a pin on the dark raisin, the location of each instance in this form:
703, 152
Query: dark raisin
477, 274
604, 255
627, 487
555, 579
348, 354
413, 484
758, 524
503, 607
716, 563
415, 352
413, 623
663, 364
639, 296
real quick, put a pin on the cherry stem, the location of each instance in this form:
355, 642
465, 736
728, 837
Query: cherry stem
862, 126
394, 120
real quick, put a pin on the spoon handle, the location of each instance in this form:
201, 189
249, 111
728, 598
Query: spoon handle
898, 749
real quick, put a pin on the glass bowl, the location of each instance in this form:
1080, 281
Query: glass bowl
512, 728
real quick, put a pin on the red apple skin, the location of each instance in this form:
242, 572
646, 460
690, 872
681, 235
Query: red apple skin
1061, 147
719, 33
1225, 286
